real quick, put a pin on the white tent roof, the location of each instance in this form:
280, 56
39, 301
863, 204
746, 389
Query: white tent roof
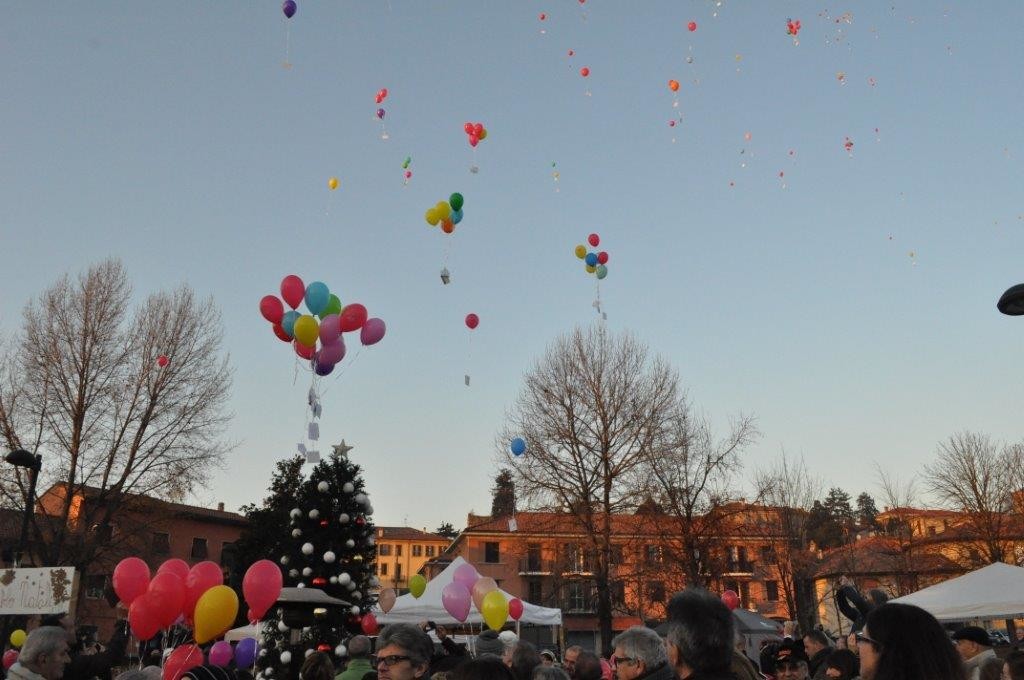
992, 592
428, 607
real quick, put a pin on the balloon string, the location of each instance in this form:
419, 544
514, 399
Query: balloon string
447, 252
287, 44
345, 368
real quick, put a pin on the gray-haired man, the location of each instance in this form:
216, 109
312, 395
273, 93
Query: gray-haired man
640, 654
43, 656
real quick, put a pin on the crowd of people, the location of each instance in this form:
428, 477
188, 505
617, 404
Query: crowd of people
889, 641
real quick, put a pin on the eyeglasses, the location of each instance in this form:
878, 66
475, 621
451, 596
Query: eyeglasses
389, 660
616, 660
866, 640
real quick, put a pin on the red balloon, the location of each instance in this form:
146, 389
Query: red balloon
692, 26
584, 71
262, 586
447, 226
515, 608
162, 361
272, 308
352, 317
176, 566
731, 599
472, 321
250, 618
478, 129
468, 127
280, 333
181, 660
369, 624
131, 579
473, 140
602, 257
594, 240
10, 658
144, 616
543, 16
303, 351
201, 578
167, 591
293, 290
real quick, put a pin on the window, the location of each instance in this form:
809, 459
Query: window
771, 589
618, 593
653, 554
199, 550
492, 553
533, 557
534, 591
656, 591
398, 550
398, 571
417, 551
616, 554
768, 555
577, 597
430, 550
383, 566
95, 584
931, 530
161, 543
384, 550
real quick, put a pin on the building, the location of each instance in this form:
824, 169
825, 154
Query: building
402, 552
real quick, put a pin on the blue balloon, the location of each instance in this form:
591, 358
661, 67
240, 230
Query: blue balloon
456, 216
601, 271
288, 322
518, 446
317, 297
591, 259
245, 652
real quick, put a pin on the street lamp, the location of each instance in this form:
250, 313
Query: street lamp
1012, 301
22, 458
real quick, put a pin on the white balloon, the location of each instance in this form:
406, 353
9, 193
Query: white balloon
286, 657
313, 514
322, 487
340, 650
329, 557
268, 672
348, 487
351, 585
307, 548
263, 652
343, 518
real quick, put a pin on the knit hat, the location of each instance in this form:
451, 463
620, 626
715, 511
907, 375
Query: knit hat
487, 642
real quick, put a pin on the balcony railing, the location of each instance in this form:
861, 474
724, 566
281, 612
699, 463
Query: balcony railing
535, 567
739, 567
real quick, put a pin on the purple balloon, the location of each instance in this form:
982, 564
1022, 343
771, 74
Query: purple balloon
330, 329
322, 368
221, 653
332, 353
466, 574
380, 113
372, 332
289, 8
456, 600
245, 652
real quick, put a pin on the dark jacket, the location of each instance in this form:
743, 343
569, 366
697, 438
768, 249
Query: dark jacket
451, 656
89, 666
853, 605
662, 672
816, 665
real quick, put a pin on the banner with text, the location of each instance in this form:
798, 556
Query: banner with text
36, 591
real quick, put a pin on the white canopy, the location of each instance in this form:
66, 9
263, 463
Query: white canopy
992, 592
428, 607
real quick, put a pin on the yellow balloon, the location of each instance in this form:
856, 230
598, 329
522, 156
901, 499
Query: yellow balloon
332, 183
17, 638
483, 134
431, 217
215, 613
581, 251
443, 210
417, 584
495, 609
590, 270
306, 330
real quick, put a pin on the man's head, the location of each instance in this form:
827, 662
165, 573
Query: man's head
569, 658
46, 652
359, 647
971, 641
587, 667
638, 651
488, 644
790, 662
815, 641
700, 633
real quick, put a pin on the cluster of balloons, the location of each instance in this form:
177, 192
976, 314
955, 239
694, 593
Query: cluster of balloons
448, 213
186, 657
196, 596
792, 27
382, 94
304, 331
475, 132
470, 588
595, 263
405, 167
289, 8
518, 446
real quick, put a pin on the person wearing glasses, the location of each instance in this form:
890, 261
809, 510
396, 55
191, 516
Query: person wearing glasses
975, 648
904, 642
640, 653
791, 662
403, 652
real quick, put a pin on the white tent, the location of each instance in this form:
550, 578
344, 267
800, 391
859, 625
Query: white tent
992, 592
428, 607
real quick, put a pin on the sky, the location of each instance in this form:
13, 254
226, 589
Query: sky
846, 298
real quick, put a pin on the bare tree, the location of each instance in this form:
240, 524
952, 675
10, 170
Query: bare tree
899, 497
591, 411
978, 477
84, 384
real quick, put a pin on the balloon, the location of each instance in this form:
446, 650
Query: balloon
584, 71
590, 270
332, 352
518, 446
417, 584
352, 318
731, 599
473, 140
594, 240
322, 368
162, 361
17, 638
215, 613
221, 653
175, 566
673, 85
591, 259
515, 608
383, 93
483, 134
333, 307
262, 586
369, 624
602, 257
168, 593
317, 297
245, 652
456, 216
131, 579
10, 658
408, 174
303, 351
380, 113
372, 333
483, 586
456, 201
330, 329
467, 575
201, 578
293, 290
601, 271
447, 226
271, 308
581, 251
288, 323
386, 600
692, 26
468, 127
144, 616
289, 8
444, 210
472, 321
332, 183
456, 600
495, 609
306, 330
543, 16
183, 658
432, 217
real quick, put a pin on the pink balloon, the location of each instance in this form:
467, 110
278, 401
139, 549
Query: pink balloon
293, 290
221, 653
201, 578
456, 600
372, 332
515, 608
10, 658
176, 566
131, 579
466, 574
262, 586
387, 599
181, 660
144, 617
333, 352
271, 308
330, 329
168, 593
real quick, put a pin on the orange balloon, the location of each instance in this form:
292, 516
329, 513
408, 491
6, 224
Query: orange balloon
447, 226
673, 85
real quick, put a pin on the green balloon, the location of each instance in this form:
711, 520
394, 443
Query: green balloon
333, 307
455, 201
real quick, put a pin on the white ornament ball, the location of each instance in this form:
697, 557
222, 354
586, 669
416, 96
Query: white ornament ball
334, 580
307, 548
329, 557
286, 657
351, 585
306, 629
314, 514
293, 573
308, 571
309, 653
350, 543
323, 487
281, 626
340, 650
368, 510
344, 579
284, 559
361, 498
296, 533
354, 610
263, 653
348, 487
343, 518
300, 585
296, 513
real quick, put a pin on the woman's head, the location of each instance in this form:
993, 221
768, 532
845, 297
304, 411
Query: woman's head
317, 666
1013, 666
403, 652
842, 664
903, 642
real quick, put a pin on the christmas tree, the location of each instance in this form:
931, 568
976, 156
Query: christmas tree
328, 544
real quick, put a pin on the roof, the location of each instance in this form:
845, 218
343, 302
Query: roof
408, 534
881, 555
918, 512
181, 510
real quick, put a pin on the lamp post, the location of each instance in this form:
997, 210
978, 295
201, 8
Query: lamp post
22, 458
